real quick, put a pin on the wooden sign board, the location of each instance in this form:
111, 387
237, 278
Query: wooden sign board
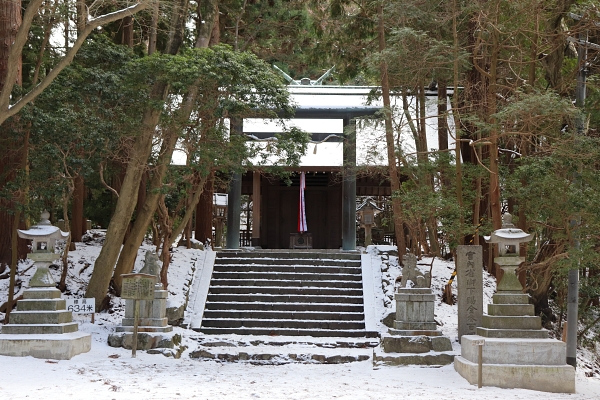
138, 286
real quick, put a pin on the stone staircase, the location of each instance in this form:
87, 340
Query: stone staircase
286, 293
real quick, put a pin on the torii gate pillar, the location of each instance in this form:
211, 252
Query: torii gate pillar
349, 186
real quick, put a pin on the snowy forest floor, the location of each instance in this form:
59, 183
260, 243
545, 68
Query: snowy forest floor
111, 373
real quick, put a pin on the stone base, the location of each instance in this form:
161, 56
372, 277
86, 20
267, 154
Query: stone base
512, 322
413, 332
415, 344
56, 347
537, 364
553, 378
145, 328
145, 341
515, 351
40, 329
513, 333
430, 358
414, 326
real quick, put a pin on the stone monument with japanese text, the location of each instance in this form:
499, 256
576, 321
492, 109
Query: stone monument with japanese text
469, 266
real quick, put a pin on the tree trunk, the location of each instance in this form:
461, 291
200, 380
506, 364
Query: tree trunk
128, 31
72, 187
145, 213
81, 16
457, 125
494, 174
442, 119
16, 252
166, 228
77, 225
10, 21
431, 222
204, 211
119, 222
553, 61
190, 210
208, 19
389, 138
152, 36
142, 191
142, 147
13, 267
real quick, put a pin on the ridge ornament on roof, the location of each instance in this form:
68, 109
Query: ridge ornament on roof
304, 81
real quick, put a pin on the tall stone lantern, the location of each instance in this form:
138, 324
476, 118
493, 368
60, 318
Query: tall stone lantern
511, 349
41, 326
508, 239
43, 237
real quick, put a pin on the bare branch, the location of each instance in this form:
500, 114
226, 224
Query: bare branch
104, 183
15, 52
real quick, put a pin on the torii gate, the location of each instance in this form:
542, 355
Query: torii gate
348, 116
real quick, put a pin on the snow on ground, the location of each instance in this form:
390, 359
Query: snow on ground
111, 373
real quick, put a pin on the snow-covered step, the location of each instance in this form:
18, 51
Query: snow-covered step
286, 290
295, 276
291, 268
347, 333
282, 323
298, 283
288, 255
277, 350
300, 261
279, 298
285, 306
282, 315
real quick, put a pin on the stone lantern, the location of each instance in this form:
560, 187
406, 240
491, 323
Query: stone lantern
41, 326
511, 349
220, 215
43, 238
508, 239
366, 212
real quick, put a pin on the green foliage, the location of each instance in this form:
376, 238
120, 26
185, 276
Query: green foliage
560, 194
232, 85
420, 203
77, 122
278, 31
592, 102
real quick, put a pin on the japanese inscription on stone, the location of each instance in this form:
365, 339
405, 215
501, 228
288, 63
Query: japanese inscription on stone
469, 264
138, 286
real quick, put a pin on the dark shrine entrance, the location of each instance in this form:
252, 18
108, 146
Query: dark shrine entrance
280, 202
